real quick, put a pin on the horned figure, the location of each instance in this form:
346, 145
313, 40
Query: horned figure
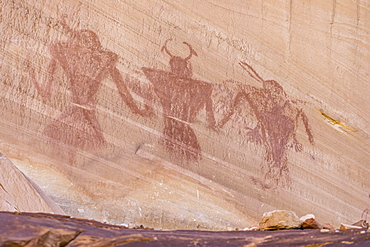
182, 98
86, 64
277, 122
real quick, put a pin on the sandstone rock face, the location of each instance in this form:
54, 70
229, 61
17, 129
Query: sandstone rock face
279, 219
19, 193
189, 114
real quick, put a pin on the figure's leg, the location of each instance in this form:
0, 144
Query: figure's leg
95, 130
78, 128
180, 141
192, 147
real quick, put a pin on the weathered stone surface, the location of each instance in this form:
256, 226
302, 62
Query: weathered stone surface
345, 227
40, 236
254, 228
307, 216
279, 219
264, 106
18, 193
361, 223
54, 230
328, 227
309, 222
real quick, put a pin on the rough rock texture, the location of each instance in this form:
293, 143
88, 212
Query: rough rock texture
362, 223
345, 227
53, 230
279, 219
328, 227
265, 106
307, 216
309, 222
19, 193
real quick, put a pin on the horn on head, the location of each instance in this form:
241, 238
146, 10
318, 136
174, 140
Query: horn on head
191, 51
251, 71
164, 48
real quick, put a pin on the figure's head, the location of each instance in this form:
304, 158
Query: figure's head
86, 38
274, 88
83, 37
181, 67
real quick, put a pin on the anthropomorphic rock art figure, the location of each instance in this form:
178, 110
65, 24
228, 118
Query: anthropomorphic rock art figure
277, 122
182, 98
86, 64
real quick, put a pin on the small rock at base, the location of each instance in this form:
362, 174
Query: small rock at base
307, 216
254, 228
328, 227
361, 223
279, 219
345, 227
309, 222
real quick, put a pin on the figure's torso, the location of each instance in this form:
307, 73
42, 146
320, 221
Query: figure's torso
84, 69
184, 98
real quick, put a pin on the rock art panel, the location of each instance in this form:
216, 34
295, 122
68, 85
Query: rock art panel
332, 75
278, 117
86, 64
182, 98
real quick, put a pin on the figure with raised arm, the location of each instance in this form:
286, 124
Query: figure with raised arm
277, 122
86, 64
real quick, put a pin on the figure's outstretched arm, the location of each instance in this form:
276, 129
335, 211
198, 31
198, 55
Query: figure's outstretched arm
306, 125
238, 98
209, 114
44, 91
123, 91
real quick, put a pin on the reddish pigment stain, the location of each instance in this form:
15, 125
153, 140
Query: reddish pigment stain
277, 117
182, 98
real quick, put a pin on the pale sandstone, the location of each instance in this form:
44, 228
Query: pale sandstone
19, 194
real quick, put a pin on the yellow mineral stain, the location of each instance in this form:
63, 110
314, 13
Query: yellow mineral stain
334, 122
317, 245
